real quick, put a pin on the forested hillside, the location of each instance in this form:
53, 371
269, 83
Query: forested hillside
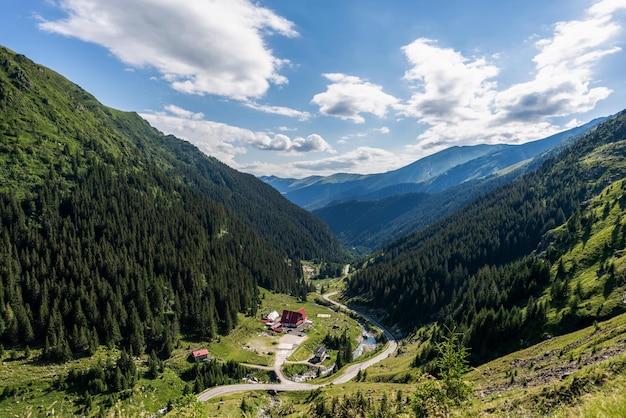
477, 269
47, 121
368, 225
112, 233
129, 258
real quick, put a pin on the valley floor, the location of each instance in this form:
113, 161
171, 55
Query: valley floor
293, 341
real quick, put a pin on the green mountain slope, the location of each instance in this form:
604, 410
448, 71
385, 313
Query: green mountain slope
475, 270
112, 233
49, 122
368, 225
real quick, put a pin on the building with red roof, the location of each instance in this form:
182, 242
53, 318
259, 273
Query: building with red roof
293, 319
200, 355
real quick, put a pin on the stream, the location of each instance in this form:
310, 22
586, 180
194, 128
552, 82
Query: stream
368, 343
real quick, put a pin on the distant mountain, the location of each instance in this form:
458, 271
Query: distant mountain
432, 174
315, 192
360, 225
540, 255
113, 233
367, 225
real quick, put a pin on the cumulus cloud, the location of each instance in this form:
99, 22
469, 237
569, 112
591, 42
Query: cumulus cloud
209, 47
216, 139
452, 86
183, 113
383, 130
225, 141
280, 142
348, 97
564, 64
460, 101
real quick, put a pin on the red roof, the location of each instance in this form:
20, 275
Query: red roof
200, 353
293, 317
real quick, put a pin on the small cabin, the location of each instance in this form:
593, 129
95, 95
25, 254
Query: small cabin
319, 355
270, 318
200, 355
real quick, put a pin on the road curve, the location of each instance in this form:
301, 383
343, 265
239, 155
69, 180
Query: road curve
287, 385
353, 369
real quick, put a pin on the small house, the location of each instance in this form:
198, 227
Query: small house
270, 318
200, 355
319, 354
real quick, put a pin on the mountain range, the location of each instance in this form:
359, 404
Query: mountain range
432, 174
369, 211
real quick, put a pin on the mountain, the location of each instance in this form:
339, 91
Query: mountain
113, 233
42, 109
361, 225
315, 192
542, 254
433, 174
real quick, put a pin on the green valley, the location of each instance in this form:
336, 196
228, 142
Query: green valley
138, 274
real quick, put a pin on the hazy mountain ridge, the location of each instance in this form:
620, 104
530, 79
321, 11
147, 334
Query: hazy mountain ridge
433, 174
315, 192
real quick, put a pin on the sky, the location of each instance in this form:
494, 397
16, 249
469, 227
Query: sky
295, 88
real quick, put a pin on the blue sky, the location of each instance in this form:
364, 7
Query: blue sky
299, 87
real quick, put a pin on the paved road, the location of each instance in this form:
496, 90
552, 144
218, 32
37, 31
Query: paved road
353, 369
287, 385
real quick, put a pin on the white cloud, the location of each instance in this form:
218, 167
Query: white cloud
225, 141
183, 113
605, 8
280, 142
312, 142
209, 47
459, 100
573, 123
565, 64
279, 110
383, 130
363, 160
452, 91
348, 97
216, 139
452, 86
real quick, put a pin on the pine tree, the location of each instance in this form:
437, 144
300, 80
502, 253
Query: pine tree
452, 363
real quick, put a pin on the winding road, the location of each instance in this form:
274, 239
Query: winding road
287, 385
